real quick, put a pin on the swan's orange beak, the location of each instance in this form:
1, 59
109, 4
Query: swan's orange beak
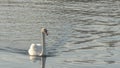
46, 32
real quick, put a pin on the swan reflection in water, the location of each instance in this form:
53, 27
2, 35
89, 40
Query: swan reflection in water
38, 52
38, 58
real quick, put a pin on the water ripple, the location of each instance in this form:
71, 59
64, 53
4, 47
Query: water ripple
14, 50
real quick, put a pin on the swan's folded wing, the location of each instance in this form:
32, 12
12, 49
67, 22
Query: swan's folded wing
35, 49
32, 52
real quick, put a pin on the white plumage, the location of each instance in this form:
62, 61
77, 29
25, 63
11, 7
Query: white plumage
35, 49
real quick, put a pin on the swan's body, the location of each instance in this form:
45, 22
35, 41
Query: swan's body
37, 49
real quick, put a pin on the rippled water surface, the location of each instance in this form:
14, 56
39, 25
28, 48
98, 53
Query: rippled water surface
82, 33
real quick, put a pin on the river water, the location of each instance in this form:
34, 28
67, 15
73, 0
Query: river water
82, 33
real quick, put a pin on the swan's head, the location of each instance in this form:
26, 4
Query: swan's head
43, 30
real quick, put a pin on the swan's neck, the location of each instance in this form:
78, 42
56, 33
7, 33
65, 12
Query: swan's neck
43, 45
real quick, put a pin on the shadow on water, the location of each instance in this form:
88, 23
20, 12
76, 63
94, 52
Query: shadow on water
42, 60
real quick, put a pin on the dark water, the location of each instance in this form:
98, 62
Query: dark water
82, 33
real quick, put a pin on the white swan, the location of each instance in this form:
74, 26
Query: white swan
38, 49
